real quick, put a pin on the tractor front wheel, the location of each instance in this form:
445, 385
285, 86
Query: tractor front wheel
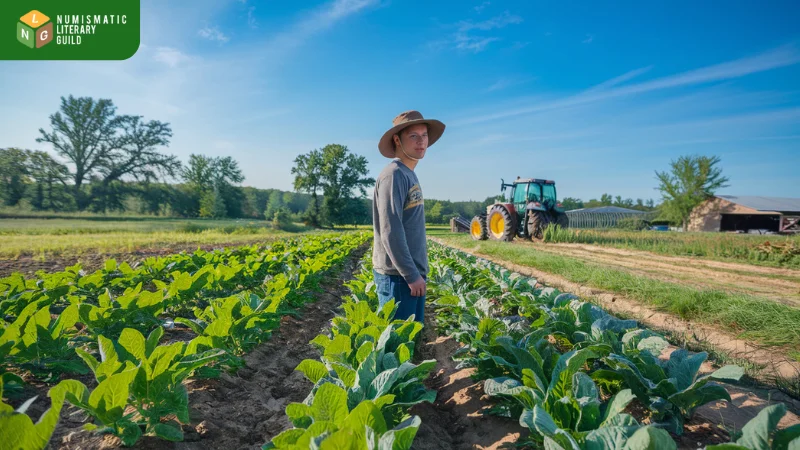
537, 222
477, 228
501, 224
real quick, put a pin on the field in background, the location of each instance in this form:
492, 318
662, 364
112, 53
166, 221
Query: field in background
60, 226
765, 250
57, 237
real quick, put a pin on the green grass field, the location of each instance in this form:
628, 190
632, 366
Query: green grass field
759, 319
58, 226
782, 251
45, 238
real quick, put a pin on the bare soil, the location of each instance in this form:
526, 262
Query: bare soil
782, 285
457, 420
245, 410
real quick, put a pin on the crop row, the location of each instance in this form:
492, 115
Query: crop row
568, 371
364, 380
111, 322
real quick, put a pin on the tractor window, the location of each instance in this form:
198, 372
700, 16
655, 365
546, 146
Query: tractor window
519, 193
549, 192
534, 193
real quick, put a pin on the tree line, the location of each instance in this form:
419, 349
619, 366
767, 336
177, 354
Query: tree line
111, 163
571, 203
115, 163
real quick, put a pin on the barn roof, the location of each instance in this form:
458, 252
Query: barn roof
780, 204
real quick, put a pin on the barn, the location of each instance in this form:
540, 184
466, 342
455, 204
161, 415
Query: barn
746, 213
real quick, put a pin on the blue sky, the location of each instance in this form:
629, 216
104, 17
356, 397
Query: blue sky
596, 96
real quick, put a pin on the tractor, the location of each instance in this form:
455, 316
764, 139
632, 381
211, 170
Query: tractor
532, 207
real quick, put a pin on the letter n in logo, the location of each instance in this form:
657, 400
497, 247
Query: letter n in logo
34, 29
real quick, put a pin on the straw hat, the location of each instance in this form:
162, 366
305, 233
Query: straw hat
406, 119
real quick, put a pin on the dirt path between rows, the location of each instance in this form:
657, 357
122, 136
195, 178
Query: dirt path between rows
246, 410
782, 285
775, 361
456, 420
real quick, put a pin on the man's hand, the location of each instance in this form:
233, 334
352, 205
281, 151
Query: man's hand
418, 287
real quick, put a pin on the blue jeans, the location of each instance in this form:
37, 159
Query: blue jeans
395, 287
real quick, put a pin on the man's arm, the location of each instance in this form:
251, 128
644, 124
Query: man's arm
391, 199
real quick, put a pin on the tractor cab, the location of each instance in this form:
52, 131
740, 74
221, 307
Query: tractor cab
530, 208
533, 191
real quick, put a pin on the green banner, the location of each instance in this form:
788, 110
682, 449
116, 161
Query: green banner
69, 29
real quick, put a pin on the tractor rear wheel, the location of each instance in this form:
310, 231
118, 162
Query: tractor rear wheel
537, 222
501, 224
477, 228
562, 220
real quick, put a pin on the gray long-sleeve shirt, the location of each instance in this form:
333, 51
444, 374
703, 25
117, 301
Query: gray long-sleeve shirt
398, 218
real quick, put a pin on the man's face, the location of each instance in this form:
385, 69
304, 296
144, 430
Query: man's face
415, 140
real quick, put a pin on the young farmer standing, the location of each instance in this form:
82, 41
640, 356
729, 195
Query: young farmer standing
400, 254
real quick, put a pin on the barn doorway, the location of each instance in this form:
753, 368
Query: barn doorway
745, 222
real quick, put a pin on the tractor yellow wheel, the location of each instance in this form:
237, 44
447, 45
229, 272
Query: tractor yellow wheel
501, 224
498, 225
477, 228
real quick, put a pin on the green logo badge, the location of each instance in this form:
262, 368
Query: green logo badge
34, 29
74, 30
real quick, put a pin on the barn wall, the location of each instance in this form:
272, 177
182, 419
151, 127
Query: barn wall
708, 215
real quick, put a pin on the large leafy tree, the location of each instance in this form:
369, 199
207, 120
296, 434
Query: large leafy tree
344, 178
14, 171
308, 174
50, 178
690, 181
570, 203
98, 143
275, 203
213, 180
136, 154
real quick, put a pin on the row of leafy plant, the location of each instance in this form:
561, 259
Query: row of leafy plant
566, 369
364, 380
46, 317
117, 335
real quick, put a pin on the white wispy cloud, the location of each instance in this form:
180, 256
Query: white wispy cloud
468, 36
172, 57
213, 34
317, 21
619, 80
781, 57
495, 22
588, 40
473, 44
251, 18
479, 9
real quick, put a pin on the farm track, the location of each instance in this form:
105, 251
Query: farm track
245, 410
91, 261
781, 285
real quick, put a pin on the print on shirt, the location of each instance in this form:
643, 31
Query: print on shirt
414, 197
